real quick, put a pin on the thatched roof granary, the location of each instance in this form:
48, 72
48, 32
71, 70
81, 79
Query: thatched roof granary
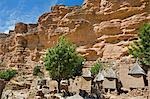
99, 77
136, 70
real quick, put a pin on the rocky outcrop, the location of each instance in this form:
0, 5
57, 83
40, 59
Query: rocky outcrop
99, 28
100, 25
21, 28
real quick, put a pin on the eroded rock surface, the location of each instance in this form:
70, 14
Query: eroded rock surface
100, 28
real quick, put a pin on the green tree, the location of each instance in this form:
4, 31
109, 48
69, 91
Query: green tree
62, 61
141, 49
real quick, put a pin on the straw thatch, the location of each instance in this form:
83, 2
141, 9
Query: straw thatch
99, 77
110, 73
136, 70
86, 73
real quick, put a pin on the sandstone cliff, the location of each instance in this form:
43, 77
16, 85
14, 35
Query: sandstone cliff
100, 29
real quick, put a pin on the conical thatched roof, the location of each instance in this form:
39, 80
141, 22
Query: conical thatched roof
136, 70
75, 97
99, 77
109, 73
86, 73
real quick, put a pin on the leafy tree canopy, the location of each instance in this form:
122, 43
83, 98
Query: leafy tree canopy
62, 61
141, 49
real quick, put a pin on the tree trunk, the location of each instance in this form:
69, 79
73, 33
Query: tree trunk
59, 88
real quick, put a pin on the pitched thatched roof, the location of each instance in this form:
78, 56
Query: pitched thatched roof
75, 97
99, 77
136, 70
86, 73
109, 73
88, 64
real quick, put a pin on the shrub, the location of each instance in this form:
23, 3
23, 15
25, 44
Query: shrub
36, 70
7, 74
97, 66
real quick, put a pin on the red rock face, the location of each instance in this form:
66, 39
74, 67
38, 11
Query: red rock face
21, 28
100, 29
105, 27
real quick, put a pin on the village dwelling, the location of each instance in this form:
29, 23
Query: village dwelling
82, 82
97, 86
53, 85
86, 81
137, 77
75, 85
99, 80
110, 80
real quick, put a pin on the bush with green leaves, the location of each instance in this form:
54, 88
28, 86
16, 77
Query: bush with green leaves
62, 61
36, 70
141, 48
7, 74
97, 66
